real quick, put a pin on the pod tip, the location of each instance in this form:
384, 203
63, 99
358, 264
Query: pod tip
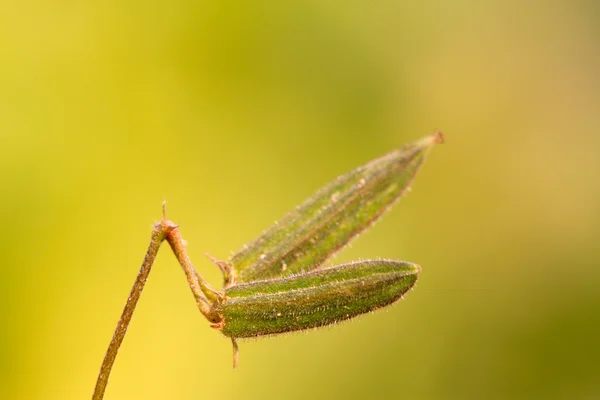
417, 268
438, 137
432, 140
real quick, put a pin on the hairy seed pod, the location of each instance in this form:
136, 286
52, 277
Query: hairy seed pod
313, 299
326, 222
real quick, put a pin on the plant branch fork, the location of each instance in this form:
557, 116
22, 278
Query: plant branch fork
203, 293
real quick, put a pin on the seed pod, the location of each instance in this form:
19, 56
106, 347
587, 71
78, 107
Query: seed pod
324, 223
313, 299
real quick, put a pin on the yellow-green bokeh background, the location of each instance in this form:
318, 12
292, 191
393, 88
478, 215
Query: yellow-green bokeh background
237, 111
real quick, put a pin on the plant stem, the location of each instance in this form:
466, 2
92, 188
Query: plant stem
164, 230
200, 288
159, 234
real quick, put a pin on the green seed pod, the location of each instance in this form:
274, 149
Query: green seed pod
313, 299
326, 222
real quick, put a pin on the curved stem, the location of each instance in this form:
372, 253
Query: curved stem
202, 291
160, 232
200, 288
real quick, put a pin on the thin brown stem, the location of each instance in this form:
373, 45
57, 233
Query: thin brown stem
200, 288
160, 232
202, 291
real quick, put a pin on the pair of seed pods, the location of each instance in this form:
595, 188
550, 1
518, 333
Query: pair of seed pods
274, 285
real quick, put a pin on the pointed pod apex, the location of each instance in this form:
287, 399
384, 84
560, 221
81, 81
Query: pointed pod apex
438, 138
415, 268
403, 268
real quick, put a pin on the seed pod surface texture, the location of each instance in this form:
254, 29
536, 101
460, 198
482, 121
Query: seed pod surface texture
326, 222
313, 299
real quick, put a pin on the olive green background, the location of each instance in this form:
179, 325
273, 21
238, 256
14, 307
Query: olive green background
235, 112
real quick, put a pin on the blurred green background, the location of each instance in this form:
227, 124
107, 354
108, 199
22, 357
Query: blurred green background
235, 112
